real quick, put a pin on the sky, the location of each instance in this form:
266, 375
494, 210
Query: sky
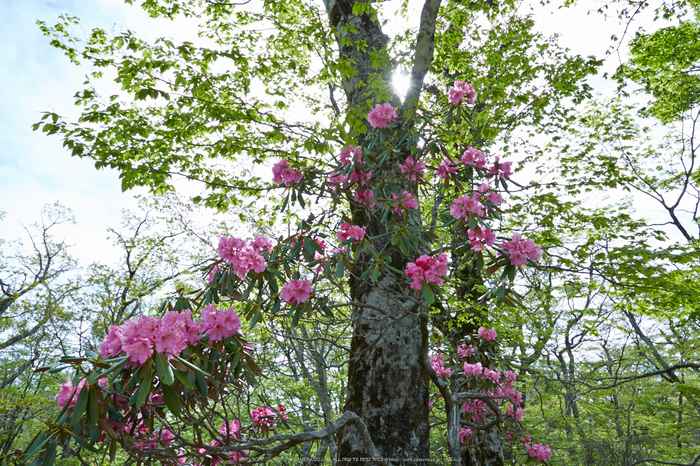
34, 77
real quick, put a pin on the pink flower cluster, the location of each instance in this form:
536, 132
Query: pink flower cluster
438, 364
491, 196
137, 338
281, 173
474, 157
539, 452
478, 239
520, 250
354, 232
503, 169
69, 392
244, 256
487, 335
446, 169
365, 196
381, 115
464, 352
219, 324
232, 429
463, 205
351, 154
413, 170
405, 201
427, 268
460, 91
296, 291
266, 416
464, 434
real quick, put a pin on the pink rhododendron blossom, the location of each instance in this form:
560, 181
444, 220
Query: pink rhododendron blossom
493, 197
502, 169
232, 429
478, 240
112, 344
474, 157
212, 272
520, 250
69, 393
350, 155
539, 452
353, 232
244, 256
460, 91
509, 436
381, 115
296, 291
406, 201
220, 324
281, 173
430, 405
475, 370
487, 335
263, 416
365, 196
495, 376
427, 268
438, 365
359, 177
463, 205
510, 377
464, 352
464, 434
337, 180
446, 169
413, 170
519, 415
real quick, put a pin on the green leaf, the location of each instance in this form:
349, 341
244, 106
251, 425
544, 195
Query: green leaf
79, 408
172, 401
164, 370
428, 293
201, 382
183, 380
92, 406
340, 269
144, 389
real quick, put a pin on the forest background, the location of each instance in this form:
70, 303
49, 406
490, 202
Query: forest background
606, 342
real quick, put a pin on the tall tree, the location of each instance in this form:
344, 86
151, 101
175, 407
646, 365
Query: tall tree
219, 112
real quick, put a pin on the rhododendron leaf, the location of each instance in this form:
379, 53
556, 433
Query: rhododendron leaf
164, 370
172, 401
92, 406
276, 306
297, 315
91, 354
395, 239
511, 269
200, 382
183, 380
79, 408
51, 454
340, 268
38, 442
491, 270
403, 248
500, 293
255, 319
472, 221
56, 369
144, 389
509, 302
375, 273
428, 293
83, 443
463, 248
